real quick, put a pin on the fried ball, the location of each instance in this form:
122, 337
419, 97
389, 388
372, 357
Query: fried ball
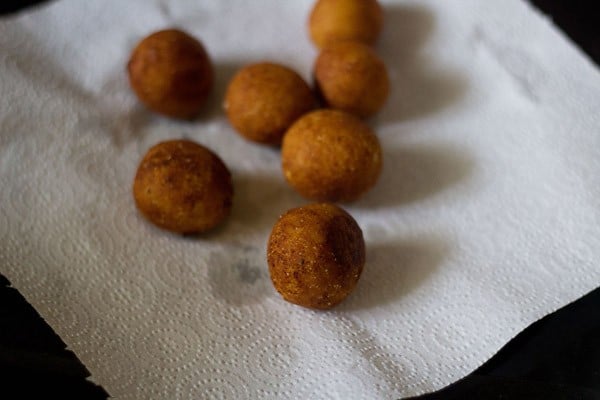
263, 100
316, 254
351, 77
183, 187
330, 155
171, 73
340, 20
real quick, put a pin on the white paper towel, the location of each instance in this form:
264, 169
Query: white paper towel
486, 216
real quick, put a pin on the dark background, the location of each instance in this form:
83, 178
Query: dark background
577, 18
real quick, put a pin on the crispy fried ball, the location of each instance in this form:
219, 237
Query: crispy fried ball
316, 254
351, 77
183, 187
330, 155
171, 73
340, 20
263, 100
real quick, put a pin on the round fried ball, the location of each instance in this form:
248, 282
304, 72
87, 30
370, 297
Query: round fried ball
264, 99
171, 73
316, 254
339, 20
351, 77
330, 155
183, 187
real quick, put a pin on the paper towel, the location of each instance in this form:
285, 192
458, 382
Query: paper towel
485, 218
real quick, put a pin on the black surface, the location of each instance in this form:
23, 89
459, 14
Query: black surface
34, 361
11, 6
569, 338
578, 19
558, 357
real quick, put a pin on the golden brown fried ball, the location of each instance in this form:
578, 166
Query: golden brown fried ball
339, 20
183, 187
171, 73
330, 155
351, 77
264, 99
316, 254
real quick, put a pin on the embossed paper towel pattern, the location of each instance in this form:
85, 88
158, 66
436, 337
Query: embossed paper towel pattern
486, 216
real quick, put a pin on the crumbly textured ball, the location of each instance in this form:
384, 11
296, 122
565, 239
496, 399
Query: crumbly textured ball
183, 187
351, 77
316, 254
330, 155
171, 73
340, 20
264, 99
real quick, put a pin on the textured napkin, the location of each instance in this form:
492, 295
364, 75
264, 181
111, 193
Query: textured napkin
486, 216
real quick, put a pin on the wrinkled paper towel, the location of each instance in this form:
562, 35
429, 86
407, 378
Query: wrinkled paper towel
486, 216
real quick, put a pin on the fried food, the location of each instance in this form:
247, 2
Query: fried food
330, 155
183, 187
351, 77
264, 99
340, 20
316, 254
171, 73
